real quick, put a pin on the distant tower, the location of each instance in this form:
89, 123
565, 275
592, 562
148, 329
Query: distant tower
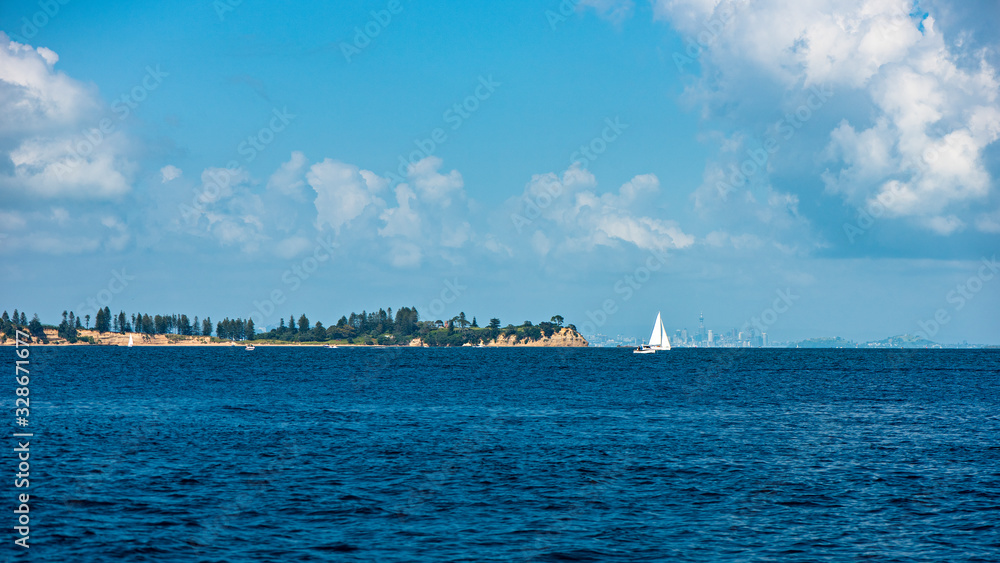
701, 325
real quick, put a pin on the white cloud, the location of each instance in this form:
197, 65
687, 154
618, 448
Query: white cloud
402, 220
288, 179
944, 225
572, 217
170, 172
431, 184
35, 97
928, 118
291, 247
342, 193
55, 133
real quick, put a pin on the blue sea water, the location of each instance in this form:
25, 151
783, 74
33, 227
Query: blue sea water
383, 454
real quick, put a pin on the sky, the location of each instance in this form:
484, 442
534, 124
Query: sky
812, 168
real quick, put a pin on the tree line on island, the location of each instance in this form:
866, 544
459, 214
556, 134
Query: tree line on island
381, 327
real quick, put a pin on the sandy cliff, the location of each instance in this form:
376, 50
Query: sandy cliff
565, 337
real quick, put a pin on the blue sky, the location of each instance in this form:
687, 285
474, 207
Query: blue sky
865, 131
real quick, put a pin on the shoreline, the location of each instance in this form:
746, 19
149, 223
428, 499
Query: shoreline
559, 340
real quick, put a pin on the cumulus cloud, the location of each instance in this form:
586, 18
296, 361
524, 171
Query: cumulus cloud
64, 165
572, 217
289, 178
170, 172
55, 138
926, 107
342, 193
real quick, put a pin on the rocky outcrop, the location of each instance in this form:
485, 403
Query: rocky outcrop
566, 337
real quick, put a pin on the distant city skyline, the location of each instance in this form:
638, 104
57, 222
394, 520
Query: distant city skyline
811, 170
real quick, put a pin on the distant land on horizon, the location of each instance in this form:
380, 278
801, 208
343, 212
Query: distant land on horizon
383, 328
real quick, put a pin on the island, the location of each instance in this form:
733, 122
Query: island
376, 328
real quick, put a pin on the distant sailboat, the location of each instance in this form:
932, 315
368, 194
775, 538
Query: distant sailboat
130, 340
658, 339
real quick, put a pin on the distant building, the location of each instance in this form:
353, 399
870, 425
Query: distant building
710, 338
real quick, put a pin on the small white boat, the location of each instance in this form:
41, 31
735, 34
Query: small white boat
249, 347
330, 346
130, 340
643, 349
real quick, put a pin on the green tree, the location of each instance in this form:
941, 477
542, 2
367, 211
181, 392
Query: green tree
86, 317
557, 320
303, 324
495, 324
474, 323
35, 329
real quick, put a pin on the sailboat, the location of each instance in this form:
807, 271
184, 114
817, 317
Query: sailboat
130, 340
658, 340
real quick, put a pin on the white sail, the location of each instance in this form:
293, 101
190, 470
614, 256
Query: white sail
658, 340
130, 340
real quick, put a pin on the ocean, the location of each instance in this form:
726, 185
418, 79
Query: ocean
397, 454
